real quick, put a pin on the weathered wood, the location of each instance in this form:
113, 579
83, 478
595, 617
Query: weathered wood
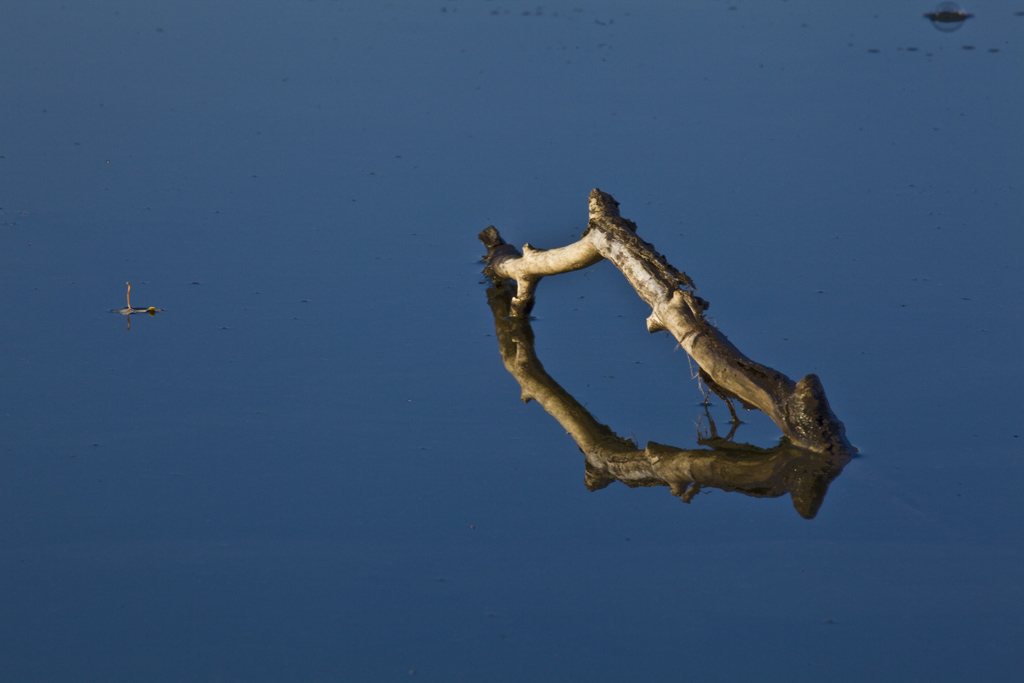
800, 409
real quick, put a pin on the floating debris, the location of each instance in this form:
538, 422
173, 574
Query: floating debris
948, 16
129, 310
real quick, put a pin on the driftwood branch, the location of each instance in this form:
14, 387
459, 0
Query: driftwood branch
800, 409
763, 473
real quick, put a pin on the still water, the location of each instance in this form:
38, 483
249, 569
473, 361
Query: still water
312, 464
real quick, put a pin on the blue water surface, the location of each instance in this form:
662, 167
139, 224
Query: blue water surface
312, 464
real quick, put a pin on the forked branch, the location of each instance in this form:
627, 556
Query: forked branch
800, 409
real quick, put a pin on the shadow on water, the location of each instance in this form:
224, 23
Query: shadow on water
724, 464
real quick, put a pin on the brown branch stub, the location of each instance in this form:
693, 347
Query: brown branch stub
800, 409
497, 248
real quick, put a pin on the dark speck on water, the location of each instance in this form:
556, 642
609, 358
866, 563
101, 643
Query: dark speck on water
948, 16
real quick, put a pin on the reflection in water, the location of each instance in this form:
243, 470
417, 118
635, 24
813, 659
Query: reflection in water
948, 16
724, 464
128, 311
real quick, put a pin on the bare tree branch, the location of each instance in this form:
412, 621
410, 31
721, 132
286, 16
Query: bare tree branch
800, 409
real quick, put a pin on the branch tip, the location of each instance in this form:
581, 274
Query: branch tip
602, 203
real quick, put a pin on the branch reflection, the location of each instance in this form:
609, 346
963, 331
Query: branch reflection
759, 472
